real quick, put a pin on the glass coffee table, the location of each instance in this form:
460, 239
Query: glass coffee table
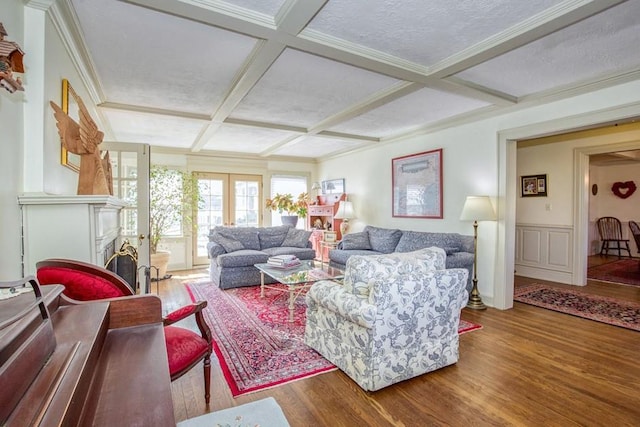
296, 279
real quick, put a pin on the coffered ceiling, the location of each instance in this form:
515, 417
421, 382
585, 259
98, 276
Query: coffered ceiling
316, 78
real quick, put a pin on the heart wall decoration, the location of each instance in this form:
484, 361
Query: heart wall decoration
623, 189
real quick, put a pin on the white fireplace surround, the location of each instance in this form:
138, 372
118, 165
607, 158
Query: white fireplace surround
84, 228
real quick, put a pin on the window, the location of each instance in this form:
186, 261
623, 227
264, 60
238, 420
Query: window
287, 184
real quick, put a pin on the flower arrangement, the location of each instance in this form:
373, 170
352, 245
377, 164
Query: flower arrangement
285, 203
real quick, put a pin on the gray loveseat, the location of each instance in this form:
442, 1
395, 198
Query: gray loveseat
233, 252
376, 240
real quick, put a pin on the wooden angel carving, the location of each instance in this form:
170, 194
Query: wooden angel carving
84, 139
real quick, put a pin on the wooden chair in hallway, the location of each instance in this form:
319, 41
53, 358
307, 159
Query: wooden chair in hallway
635, 231
610, 230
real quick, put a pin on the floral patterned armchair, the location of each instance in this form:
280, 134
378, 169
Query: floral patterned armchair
395, 317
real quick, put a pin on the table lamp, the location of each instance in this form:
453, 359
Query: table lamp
345, 213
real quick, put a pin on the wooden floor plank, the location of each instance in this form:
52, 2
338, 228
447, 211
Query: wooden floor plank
527, 366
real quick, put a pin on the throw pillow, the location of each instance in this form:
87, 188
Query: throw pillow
272, 237
356, 241
229, 243
296, 238
383, 240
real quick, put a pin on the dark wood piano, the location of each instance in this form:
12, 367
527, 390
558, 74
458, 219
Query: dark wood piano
67, 363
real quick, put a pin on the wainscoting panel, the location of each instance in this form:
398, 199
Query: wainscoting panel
544, 252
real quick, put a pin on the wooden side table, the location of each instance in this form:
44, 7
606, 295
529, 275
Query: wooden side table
325, 246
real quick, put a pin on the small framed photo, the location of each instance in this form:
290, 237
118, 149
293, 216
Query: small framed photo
534, 185
330, 236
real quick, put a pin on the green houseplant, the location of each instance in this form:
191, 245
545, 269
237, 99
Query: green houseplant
173, 198
294, 208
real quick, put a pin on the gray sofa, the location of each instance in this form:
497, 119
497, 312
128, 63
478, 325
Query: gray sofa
376, 240
233, 252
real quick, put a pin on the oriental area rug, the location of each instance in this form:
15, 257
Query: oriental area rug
625, 271
256, 345
612, 311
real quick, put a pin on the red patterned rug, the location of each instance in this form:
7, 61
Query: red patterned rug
625, 271
612, 311
256, 345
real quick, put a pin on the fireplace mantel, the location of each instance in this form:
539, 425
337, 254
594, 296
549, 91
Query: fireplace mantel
83, 228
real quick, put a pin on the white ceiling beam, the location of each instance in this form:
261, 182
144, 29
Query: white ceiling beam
294, 15
265, 125
385, 96
149, 110
542, 24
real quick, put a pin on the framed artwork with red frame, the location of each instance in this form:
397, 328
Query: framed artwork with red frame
417, 185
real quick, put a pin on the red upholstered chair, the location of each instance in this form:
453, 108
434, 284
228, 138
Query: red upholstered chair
88, 282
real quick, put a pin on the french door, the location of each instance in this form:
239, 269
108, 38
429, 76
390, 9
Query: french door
130, 171
229, 200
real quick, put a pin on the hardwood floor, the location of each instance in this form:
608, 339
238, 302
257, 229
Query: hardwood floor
527, 367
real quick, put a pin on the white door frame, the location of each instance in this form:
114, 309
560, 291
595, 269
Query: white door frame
507, 192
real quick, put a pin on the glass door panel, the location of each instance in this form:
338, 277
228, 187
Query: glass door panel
228, 200
246, 206
130, 172
212, 212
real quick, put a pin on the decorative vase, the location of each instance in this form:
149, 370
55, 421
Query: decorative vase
160, 260
291, 220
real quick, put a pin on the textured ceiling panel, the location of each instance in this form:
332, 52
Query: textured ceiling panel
317, 146
153, 129
150, 59
301, 89
419, 108
420, 31
245, 139
268, 7
605, 43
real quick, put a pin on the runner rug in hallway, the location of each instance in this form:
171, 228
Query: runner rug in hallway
255, 344
625, 271
602, 309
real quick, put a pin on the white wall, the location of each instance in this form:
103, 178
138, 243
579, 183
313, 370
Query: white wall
11, 119
605, 203
475, 158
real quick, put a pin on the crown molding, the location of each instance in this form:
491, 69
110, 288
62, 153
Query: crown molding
43, 5
67, 25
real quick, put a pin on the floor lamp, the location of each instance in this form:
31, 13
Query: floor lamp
476, 208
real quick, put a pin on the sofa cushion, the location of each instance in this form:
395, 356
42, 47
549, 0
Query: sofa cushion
271, 237
229, 243
242, 258
383, 240
297, 238
356, 241
301, 253
414, 240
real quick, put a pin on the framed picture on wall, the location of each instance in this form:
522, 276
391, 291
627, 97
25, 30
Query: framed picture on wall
534, 185
417, 185
333, 186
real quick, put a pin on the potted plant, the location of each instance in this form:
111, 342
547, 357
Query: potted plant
294, 209
173, 198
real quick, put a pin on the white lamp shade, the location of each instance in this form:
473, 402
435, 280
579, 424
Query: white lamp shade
345, 210
316, 186
478, 208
